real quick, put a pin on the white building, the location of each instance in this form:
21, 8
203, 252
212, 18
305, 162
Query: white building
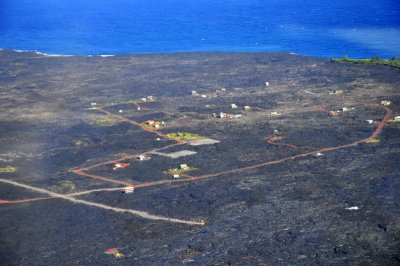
233, 106
128, 190
183, 166
274, 114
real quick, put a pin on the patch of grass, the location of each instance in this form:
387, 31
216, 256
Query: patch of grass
177, 171
66, 186
374, 141
183, 136
105, 121
8, 169
394, 62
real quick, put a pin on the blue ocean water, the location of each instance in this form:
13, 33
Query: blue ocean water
327, 28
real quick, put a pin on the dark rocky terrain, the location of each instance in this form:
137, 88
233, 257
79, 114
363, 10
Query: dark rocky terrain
339, 208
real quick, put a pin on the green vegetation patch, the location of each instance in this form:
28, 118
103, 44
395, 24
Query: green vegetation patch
374, 141
184, 136
8, 169
394, 62
394, 122
66, 186
177, 171
104, 121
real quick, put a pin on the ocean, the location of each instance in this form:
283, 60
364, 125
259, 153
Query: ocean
324, 28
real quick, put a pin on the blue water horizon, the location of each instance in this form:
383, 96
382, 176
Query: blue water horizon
322, 28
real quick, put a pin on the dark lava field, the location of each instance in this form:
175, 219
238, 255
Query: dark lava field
286, 181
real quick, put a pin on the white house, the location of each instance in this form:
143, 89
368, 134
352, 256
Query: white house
128, 190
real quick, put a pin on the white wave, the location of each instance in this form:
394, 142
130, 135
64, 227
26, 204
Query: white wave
52, 55
106, 55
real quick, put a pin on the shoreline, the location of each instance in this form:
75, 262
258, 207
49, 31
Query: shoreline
157, 53
180, 53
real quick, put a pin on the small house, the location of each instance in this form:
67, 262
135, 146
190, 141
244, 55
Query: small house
158, 139
266, 83
223, 89
386, 103
183, 166
176, 176
120, 111
138, 108
344, 109
276, 131
233, 106
150, 98
128, 190
194, 93
120, 166
155, 125
333, 113
339, 91
369, 121
141, 157
203, 96
219, 115
247, 107
93, 104
318, 154
274, 114
150, 122
143, 100
397, 118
